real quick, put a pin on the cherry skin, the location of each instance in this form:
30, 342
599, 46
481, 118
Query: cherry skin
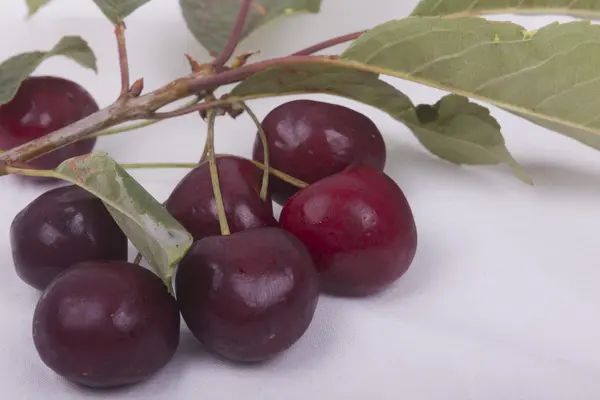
105, 324
192, 202
62, 227
42, 105
311, 140
247, 296
359, 228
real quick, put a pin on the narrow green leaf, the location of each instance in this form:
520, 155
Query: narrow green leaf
17, 68
211, 21
118, 10
550, 76
577, 8
154, 232
35, 5
454, 129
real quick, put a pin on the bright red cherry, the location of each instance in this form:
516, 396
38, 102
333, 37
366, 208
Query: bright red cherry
106, 324
311, 140
359, 228
247, 296
193, 204
42, 105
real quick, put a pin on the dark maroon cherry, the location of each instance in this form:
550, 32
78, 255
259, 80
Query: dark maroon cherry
311, 140
42, 105
106, 324
63, 226
247, 296
359, 228
192, 202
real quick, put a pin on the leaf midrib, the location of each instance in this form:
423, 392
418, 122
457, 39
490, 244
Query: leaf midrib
523, 11
386, 71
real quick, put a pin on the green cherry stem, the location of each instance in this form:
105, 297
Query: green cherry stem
281, 175
263, 138
113, 131
158, 165
47, 173
127, 128
214, 173
204, 155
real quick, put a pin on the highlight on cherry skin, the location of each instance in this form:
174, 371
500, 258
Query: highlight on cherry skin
105, 324
311, 140
62, 227
359, 228
192, 201
248, 296
44, 104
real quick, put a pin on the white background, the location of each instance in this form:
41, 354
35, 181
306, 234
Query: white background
501, 302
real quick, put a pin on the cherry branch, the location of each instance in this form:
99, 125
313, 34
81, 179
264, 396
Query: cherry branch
123, 61
329, 43
146, 106
234, 38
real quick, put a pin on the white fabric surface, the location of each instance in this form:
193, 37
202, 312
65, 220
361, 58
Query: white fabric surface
500, 303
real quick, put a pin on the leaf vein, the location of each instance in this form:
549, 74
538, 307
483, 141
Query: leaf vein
567, 90
531, 67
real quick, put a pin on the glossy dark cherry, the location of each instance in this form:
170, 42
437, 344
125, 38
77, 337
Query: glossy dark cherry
42, 105
247, 296
63, 226
311, 140
192, 202
359, 228
106, 324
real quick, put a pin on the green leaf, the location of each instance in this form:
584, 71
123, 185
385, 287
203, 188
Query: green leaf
454, 129
211, 22
17, 68
582, 8
550, 76
35, 5
154, 232
118, 10
462, 132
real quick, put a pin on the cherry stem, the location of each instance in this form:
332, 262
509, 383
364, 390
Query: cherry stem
123, 61
138, 258
205, 150
204, 155
143, 124
281, 175
214, 174
234, 38
329, 43
48, 173
264, 189
128, 128
158, 165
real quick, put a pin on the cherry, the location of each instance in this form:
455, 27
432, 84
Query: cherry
61, 227
192, 202
247, 296
106, 324
42, 105
311, 140
359, 228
